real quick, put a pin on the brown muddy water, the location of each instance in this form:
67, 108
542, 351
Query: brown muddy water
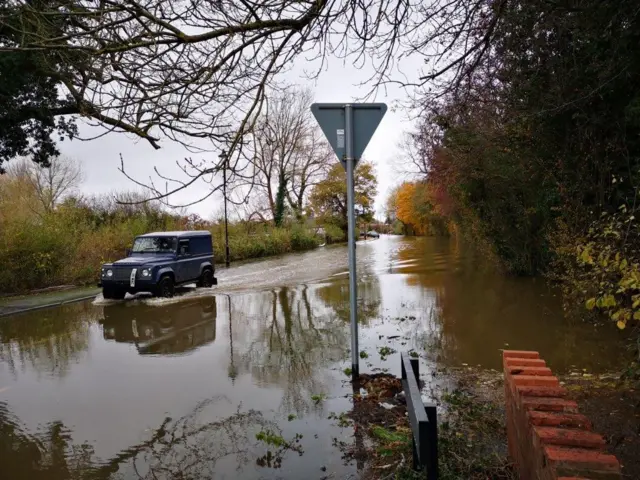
239, 382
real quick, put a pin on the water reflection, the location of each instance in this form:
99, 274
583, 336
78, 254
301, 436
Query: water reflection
48, 455
474, 312
189, 447
286, 337
335, 295
47, 341
177, 329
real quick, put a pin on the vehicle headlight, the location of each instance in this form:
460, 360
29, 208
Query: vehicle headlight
146, 272
109, 273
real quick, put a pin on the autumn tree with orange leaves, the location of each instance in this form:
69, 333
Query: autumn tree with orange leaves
414, 205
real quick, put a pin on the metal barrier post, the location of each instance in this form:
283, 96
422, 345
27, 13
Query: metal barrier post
432, 442
422, 418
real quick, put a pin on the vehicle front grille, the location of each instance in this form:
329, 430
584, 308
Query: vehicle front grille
121, 273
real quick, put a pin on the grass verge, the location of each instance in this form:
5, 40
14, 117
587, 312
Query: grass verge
613, 406
471, 429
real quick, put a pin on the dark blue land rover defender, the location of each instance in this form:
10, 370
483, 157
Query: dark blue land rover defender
160, 261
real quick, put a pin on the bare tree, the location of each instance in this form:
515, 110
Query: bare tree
308, 167
391, 205
287, 150
414, 160
49, 184
253, 208
201, 69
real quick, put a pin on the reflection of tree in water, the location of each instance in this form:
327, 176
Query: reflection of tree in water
295, 338
336, 296
188, 448
48, 340
47, 455
445, 279
474, 310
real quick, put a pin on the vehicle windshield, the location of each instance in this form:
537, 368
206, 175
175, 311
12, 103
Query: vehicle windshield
155, 245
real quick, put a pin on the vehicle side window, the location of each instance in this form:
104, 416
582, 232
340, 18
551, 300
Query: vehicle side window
184, 247
200, 245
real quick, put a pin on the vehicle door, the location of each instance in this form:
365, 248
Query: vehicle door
184, 269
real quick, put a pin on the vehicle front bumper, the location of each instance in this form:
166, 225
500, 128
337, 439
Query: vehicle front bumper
141, 285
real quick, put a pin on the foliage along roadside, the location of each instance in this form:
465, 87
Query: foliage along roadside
535, 154
49, 241
68, 244
418, 208
328, 200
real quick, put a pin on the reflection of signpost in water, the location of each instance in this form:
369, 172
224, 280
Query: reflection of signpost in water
231, 371
348, 128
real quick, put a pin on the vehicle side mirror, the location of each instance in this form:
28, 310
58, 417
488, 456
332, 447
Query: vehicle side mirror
128, 252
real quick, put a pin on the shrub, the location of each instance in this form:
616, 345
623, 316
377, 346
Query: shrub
69, 244
334, 233
602, 269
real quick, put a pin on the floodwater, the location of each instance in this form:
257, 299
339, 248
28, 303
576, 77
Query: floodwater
240, 381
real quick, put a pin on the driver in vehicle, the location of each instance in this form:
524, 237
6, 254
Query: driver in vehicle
164, 245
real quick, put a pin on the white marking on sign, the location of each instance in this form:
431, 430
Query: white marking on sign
340, 133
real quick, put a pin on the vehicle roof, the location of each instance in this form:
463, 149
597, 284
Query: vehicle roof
184, 233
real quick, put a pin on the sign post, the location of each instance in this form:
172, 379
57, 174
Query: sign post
348, 128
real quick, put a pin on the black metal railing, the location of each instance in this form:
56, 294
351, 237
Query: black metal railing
423, 419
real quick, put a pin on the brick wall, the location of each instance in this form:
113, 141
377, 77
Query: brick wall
548, 438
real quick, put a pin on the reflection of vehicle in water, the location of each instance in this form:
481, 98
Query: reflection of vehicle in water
176, 328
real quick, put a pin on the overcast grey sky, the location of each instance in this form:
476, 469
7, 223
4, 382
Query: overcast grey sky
100, 158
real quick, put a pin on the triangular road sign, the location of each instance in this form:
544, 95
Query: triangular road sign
332, 121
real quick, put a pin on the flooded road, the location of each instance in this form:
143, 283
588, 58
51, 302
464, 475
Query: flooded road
240, 381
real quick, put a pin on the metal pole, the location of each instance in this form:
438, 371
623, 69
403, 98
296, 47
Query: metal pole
351, 223
224, 194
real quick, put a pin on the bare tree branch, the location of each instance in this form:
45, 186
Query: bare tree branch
198, 71
286, 147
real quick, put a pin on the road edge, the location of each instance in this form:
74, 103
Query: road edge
47, 305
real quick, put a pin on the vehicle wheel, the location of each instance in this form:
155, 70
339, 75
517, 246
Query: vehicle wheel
166, 287
113, 294
206, 279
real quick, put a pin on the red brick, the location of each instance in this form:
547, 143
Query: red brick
520, 354
569, 437
550, 419
548, 439
581, 461
533, 391
529, 362
535, 380
549, 404
524, 370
